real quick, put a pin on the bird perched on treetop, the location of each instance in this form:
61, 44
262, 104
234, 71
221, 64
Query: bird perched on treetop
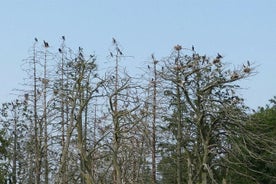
36, 39
219, 56
45, 44
63, 37
113, 40
120, 52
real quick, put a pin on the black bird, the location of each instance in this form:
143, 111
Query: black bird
113, 40
46, 44
193, 48
36, 39
219, 56
111, 54
60, 50
152, 57
204, 57
63, 37
120, 52
248, 63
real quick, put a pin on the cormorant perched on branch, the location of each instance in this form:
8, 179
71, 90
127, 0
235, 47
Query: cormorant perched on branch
113, 40
120, 52
63, 37
219, 56
46, 44
80, 49
36, 39
60, 50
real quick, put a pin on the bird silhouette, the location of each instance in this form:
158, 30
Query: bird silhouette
120, 52
193, 48
46, 44
204, 57
36, 39
152, 57
60, 50
63, 37
219, 56
113, 41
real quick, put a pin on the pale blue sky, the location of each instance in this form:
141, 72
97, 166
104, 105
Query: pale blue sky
238, 29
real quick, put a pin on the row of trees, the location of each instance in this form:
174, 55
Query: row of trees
180, 121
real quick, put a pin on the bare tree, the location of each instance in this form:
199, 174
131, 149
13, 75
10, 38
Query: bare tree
80, 73
122, 105
205, 105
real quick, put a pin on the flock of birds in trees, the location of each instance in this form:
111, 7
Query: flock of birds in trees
46, 44
235, 75
43, 80
246, 68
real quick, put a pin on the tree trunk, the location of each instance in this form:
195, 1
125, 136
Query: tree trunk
45, 154
35, 120
179, 124
116, 142
14, 155
203, 177
204, 161
189, 168
154, 124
